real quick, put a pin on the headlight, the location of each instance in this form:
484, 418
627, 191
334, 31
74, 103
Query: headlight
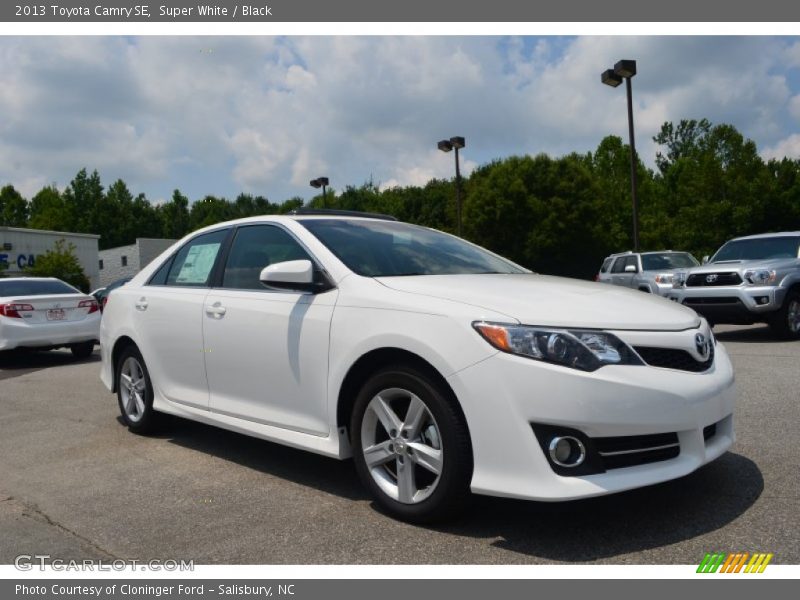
664, 278
759, 276
679, 279
586, 350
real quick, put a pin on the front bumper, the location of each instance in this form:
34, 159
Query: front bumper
504, 396
741, 304
16, 333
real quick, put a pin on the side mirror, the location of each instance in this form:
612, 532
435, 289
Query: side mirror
705, 259
293, 275
631, 269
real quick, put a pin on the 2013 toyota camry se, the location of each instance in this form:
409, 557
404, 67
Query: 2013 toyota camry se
440, 367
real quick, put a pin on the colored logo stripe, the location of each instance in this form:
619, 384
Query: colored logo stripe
735, 562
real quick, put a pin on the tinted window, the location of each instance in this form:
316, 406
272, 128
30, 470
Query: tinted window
160, 276
388, 248
606, 264
759, 249
35, 288
668, 260
619, 265
194, 262
254, 248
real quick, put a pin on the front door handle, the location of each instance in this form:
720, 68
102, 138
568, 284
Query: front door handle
141, 304
216, 310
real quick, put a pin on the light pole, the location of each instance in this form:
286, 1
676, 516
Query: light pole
455, 143
323, 183
626, 69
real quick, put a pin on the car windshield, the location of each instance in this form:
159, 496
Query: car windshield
668, 260
388, 248
759, 249
34, 287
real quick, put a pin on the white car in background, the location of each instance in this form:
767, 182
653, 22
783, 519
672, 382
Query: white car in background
44, 313
439, 366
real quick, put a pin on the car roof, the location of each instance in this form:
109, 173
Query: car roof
767, 235
30, 279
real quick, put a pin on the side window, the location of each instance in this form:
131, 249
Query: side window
619, 265
194, 262
160, 276
632, 260
255, 247
606, 264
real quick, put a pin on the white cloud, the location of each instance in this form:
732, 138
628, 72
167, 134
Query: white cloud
265, 115
788, 147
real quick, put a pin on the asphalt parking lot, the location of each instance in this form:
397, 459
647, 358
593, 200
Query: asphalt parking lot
75, 484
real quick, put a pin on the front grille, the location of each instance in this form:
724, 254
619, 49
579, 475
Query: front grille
674, 358
631, 450
704, 300
717, 279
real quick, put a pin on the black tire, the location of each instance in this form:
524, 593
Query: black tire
82, 350
784, 322
450, 493
143, 419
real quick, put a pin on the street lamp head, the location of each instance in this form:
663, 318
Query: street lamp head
315, 183
458, 142
323, 180
625, 68
609, 77
445, 145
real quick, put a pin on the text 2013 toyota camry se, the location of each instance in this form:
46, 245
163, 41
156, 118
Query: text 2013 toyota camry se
439, 366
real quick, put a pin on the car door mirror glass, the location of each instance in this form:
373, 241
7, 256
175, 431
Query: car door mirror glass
705, 259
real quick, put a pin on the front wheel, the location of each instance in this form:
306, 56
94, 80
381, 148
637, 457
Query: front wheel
786, 321
411, 446
135, 392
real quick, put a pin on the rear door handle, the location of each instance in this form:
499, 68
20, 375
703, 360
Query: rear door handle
141, 304
216, 310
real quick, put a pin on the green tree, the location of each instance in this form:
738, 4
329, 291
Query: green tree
13, 208
83, 199
48, 211
61, 262
175, 216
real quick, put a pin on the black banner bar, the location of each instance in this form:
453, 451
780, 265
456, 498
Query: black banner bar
608, 11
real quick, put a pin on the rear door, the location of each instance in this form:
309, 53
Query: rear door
168, 315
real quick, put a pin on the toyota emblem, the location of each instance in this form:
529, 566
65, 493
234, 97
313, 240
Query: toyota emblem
701, 343
711, 278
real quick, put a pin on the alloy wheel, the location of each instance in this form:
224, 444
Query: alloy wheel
133, 387
402, 445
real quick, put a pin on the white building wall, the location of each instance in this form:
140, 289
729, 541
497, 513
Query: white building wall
18, 247
136, 256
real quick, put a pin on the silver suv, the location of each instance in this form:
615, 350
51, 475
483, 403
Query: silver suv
645, 271
754, 279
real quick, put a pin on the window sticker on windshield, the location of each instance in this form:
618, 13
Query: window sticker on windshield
198, 263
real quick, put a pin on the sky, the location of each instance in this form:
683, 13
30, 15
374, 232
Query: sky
264, 115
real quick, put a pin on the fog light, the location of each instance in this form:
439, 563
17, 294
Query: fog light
762, 299
567, 451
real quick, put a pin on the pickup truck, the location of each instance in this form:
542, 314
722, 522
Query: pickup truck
753, 279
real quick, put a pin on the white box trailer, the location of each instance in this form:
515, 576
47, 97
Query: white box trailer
20, 247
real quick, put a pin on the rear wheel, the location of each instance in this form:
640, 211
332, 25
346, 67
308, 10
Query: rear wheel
135, 392
83, 350
786, 321
411, 446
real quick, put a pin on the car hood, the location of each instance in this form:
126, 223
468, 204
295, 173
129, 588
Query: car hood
553, 301
742, 265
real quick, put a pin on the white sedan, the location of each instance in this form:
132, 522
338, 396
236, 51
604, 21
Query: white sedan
439, 366
43, 313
